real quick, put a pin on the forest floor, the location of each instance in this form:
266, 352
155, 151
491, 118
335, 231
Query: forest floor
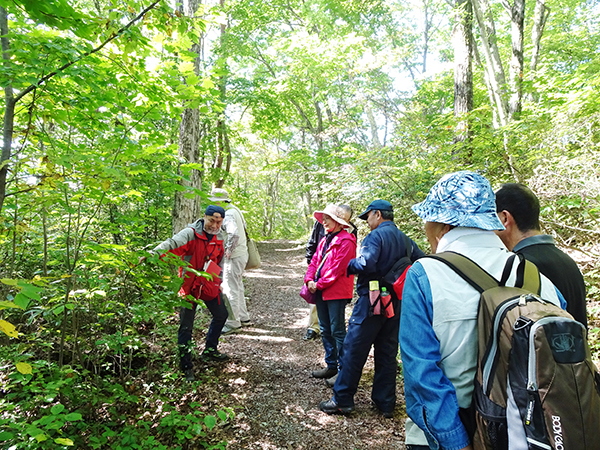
267, 382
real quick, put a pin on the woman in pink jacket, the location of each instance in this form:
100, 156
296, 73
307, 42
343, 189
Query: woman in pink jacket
326, 276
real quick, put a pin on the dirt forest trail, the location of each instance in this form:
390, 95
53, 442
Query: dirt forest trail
268, 382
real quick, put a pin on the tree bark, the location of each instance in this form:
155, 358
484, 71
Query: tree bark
186, 206
223, 147
495, 70
463, 77
373, 123
540, 16
517, 19
9, 110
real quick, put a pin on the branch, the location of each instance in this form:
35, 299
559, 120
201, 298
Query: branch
97, 49
507, 7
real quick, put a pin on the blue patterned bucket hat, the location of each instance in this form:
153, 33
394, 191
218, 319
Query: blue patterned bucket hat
462, 199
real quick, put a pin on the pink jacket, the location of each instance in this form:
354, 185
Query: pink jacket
333, 283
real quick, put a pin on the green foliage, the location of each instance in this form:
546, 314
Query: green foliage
71, 407
325, 102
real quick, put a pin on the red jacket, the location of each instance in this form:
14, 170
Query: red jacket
333, 282
194, 247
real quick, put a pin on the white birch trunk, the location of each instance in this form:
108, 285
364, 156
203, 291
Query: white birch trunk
495, 69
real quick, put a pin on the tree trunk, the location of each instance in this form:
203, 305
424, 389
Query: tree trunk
374, 133
517, 20
426, 36
223, 148
186, 207
309, 205
463, 77
540, 16
495, 70
9, 110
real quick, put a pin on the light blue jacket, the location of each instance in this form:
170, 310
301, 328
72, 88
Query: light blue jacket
438, 336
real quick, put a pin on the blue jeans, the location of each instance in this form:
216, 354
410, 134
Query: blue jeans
332, 323
186, 324
381, 333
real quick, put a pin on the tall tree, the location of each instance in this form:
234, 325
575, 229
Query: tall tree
187, 203
463, 75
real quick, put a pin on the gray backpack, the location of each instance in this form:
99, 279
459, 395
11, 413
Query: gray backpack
536, 384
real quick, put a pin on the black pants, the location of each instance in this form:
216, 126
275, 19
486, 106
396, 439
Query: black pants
186, 324
417, 447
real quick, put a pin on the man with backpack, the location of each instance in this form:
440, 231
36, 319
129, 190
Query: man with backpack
519, 211
380, 249
439, 323
234, 263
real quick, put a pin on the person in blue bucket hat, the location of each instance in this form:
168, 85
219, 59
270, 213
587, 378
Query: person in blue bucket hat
438, 325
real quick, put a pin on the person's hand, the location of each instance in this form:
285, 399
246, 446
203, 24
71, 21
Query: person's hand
227, 254
312, 287
142, 259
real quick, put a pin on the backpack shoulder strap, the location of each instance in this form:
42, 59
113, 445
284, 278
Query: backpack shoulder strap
468, 270
408, 245
528, 276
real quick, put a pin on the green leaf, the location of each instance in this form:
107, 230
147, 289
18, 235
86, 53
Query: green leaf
34, 431
58, 310
21, 300
222, 415
5, 305
64, 441
207, 83
31, 291
9, 281
57, 409
72, 417
41, 437
6, 436
210, 422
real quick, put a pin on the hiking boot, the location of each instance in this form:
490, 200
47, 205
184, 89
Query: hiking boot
211, 354
331, 381
324, 373
331, 407
229, 330
310, 335
385, 414
247, 323
189, 375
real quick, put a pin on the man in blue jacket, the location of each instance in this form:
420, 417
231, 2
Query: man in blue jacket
380, 250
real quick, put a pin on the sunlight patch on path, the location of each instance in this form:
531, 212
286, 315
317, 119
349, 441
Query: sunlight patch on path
264, 338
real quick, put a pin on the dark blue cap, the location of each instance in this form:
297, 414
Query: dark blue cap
376, 205
212, 209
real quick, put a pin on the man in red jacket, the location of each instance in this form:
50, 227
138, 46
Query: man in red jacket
197, 245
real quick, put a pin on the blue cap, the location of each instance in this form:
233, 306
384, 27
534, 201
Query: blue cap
462, 199
212, 209
376, 205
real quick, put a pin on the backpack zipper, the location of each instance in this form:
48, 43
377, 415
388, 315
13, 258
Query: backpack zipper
489, 363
